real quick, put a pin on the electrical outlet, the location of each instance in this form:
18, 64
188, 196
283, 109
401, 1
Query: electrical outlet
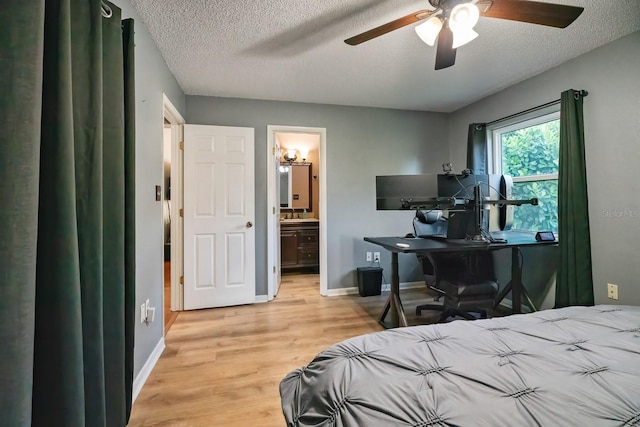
369, 256
143, 312
612, 291
376, 257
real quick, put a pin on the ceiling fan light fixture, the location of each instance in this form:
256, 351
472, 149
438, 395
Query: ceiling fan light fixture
458, 17
464, 16
428, 31
463, 36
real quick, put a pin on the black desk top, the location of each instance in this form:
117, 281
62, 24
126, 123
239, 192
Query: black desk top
514, 238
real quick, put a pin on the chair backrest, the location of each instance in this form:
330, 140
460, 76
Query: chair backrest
429, 223
466, 265
480, 265
476, 264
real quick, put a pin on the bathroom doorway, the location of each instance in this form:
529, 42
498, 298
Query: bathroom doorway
172, 221
296, 183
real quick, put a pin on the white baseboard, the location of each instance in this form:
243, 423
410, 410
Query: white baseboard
385, 287
341, 292
405, 285
262, 298
144, 373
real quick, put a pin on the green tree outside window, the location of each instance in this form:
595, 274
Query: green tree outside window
531, 156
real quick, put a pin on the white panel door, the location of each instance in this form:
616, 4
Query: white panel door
219, 213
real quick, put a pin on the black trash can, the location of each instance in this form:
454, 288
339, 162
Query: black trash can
369, 281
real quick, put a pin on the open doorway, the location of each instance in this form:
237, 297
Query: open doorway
167, 217
296, 182
172, 220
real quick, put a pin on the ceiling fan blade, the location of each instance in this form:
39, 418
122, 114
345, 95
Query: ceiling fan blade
446, 54
390, 26
534, 12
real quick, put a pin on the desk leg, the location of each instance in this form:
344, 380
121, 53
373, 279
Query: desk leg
505, 291
516, 281
515, 286
528, 300
393, 303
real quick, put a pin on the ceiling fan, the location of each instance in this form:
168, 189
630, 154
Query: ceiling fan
452, 22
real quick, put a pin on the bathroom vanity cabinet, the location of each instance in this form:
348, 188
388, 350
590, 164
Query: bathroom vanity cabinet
299, 243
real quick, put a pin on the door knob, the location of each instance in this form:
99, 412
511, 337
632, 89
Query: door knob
249, 224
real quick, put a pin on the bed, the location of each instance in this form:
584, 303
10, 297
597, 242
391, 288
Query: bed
574, 366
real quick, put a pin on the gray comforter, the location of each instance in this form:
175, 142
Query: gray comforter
576, 366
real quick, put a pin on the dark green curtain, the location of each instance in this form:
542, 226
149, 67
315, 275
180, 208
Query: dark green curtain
21, 47
477, 148
128, 49
574, 283
67, 265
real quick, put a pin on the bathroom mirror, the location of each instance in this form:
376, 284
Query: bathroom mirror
295, 186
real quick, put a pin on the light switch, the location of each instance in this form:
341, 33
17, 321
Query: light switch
158, 193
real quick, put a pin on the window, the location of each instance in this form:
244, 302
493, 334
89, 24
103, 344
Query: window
529, 152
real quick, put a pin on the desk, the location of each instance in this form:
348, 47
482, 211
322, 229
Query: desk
515, 239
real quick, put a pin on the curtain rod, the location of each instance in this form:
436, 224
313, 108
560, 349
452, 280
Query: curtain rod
577, 95
106, 10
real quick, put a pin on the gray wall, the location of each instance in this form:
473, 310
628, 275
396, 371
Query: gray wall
361, 143
612, 133
153, 78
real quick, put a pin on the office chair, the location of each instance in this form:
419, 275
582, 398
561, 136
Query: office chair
465, 279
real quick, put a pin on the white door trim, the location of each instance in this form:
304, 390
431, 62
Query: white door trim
177, 249
272, 256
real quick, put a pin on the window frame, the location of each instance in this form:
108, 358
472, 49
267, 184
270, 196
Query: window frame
494, 140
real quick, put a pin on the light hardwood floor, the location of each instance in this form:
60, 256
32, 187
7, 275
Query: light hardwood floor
222, 367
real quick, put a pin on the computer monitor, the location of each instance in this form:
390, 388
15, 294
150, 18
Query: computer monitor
401, 192
398, 192
463, 188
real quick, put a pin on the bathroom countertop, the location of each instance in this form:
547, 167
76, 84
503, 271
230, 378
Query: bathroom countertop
298, 220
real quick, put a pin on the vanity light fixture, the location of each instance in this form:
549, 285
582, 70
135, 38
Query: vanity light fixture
304, 153
290, 156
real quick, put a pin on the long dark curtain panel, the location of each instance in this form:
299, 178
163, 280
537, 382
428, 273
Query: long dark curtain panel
574, 283
68, 323
477, 148
128, 49
21, 47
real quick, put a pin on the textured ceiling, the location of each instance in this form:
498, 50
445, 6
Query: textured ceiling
293, 50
